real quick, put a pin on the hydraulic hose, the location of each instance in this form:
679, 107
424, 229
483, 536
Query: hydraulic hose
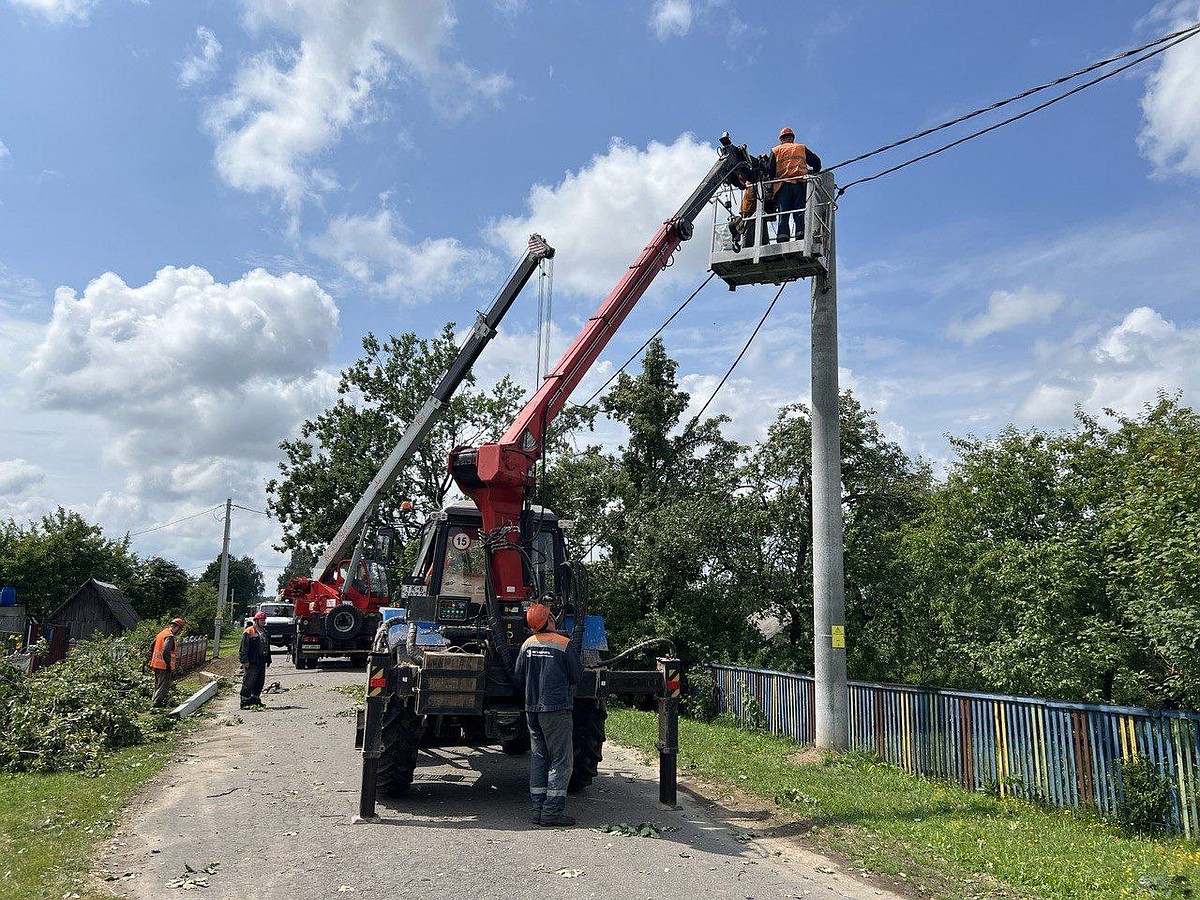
625, 654
503, 650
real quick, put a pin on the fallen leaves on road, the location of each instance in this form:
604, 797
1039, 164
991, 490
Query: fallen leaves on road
744, 836
570, 873
827, 870
641, 829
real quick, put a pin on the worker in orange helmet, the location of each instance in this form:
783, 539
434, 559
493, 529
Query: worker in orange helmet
787, 165
549, 667
162, 660
254, 653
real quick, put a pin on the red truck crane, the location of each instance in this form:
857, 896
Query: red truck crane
444, 662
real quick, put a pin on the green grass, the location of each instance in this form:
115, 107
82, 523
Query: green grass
946, 840
50, 825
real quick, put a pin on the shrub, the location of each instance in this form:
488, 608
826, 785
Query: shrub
68, 714
700, 700
1144, 806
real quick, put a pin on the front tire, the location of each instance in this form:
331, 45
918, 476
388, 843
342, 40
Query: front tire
587, 742
401, 733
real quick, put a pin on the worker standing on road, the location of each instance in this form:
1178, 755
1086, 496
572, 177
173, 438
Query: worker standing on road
549, 667
787, 165
162, 660
254, 653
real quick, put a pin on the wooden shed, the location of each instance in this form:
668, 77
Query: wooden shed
96, 608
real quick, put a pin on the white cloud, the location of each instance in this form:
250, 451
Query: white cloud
1170, 136
58, 12
1007, 310
373, 251
671, 18
287, 106
196, 380
201, 62
600, 217
17, 476
4, 154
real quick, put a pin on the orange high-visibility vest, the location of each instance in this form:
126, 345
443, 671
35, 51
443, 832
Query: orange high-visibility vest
749, 201
791, 163
250, 630
157, 660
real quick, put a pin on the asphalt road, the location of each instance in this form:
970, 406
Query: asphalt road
265, 800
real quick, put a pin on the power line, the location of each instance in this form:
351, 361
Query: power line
1183, 33
660, 330
729, 372
248, 509
176, 521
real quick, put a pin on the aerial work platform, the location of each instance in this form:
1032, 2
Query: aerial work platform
745, 247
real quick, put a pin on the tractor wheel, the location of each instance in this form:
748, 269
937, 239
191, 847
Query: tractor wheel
398, 759
588, 742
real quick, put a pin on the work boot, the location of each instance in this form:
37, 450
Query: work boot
537, 811
560, 820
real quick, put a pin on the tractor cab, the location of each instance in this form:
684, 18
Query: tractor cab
755, 242
448, 583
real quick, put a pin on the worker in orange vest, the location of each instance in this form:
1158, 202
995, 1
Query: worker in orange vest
254, 653
787, 165
162, 660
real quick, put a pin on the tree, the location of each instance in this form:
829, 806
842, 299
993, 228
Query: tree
200, 607
47, 560
245, 582
329, 465
158, 588
300, 563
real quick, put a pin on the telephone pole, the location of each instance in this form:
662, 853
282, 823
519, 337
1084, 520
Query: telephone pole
223, 584
829, 592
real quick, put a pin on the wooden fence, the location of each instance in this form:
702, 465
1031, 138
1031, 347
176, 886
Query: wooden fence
1062, 754
191, 652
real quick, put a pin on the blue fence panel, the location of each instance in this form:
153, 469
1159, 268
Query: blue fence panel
1062, 754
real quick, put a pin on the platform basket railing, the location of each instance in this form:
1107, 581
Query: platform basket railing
1067, 755
818, 211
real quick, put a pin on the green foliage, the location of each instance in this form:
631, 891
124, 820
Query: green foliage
1144, 806
158, 588
66, 716
200, 608
246, 585
327, 467
700, 695
300, 563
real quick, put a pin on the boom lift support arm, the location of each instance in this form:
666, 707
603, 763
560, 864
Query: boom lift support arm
479, 337
496, 475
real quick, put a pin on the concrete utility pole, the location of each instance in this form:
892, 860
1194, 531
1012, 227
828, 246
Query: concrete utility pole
829, 593
223, 584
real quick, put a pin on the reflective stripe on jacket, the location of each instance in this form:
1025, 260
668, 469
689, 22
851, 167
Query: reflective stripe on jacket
548, 666
160, 659
791, 163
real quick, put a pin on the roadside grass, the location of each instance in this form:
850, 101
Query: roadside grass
51, 825
946, 841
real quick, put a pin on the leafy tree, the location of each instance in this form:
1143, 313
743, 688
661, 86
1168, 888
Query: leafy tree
158, 588
200, 607
47, 560
245, 583
300, 563
327, 467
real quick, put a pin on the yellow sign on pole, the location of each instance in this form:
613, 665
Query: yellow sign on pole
839, 637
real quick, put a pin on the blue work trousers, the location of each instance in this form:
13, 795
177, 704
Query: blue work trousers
792, 197
551, 759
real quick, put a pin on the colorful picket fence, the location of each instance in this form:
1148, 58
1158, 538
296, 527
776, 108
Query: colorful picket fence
1062, 754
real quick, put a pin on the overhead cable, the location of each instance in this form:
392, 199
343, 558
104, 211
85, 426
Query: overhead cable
749, 341
248, 509
176, 521
1183, 33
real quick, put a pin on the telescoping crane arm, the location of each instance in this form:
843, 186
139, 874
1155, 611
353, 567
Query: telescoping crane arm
479, 337
495, 475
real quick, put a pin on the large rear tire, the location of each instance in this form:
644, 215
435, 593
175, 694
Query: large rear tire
398, 759
588, 742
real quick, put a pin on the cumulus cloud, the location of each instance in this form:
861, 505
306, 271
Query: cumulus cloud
1007, 310
671, 18
1170, 136
289, 105
201, 62
198, 380
1122, 369
373, 250
58, 12
18, 476
600, 217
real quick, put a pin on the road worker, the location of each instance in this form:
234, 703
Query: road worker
254, 653
549, 666
788, 163
162, 660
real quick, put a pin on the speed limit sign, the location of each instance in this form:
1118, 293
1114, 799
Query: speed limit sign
461, 541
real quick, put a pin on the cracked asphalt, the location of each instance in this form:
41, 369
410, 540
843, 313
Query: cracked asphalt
265, 802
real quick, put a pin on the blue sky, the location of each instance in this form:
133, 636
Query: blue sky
312, 171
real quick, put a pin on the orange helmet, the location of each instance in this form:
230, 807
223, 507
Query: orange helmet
178, 621
785, 131
537, 616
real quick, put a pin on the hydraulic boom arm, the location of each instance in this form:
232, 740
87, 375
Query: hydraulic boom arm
481, 334
495, 475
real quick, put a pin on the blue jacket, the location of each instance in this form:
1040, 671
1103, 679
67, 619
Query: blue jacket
548, 666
